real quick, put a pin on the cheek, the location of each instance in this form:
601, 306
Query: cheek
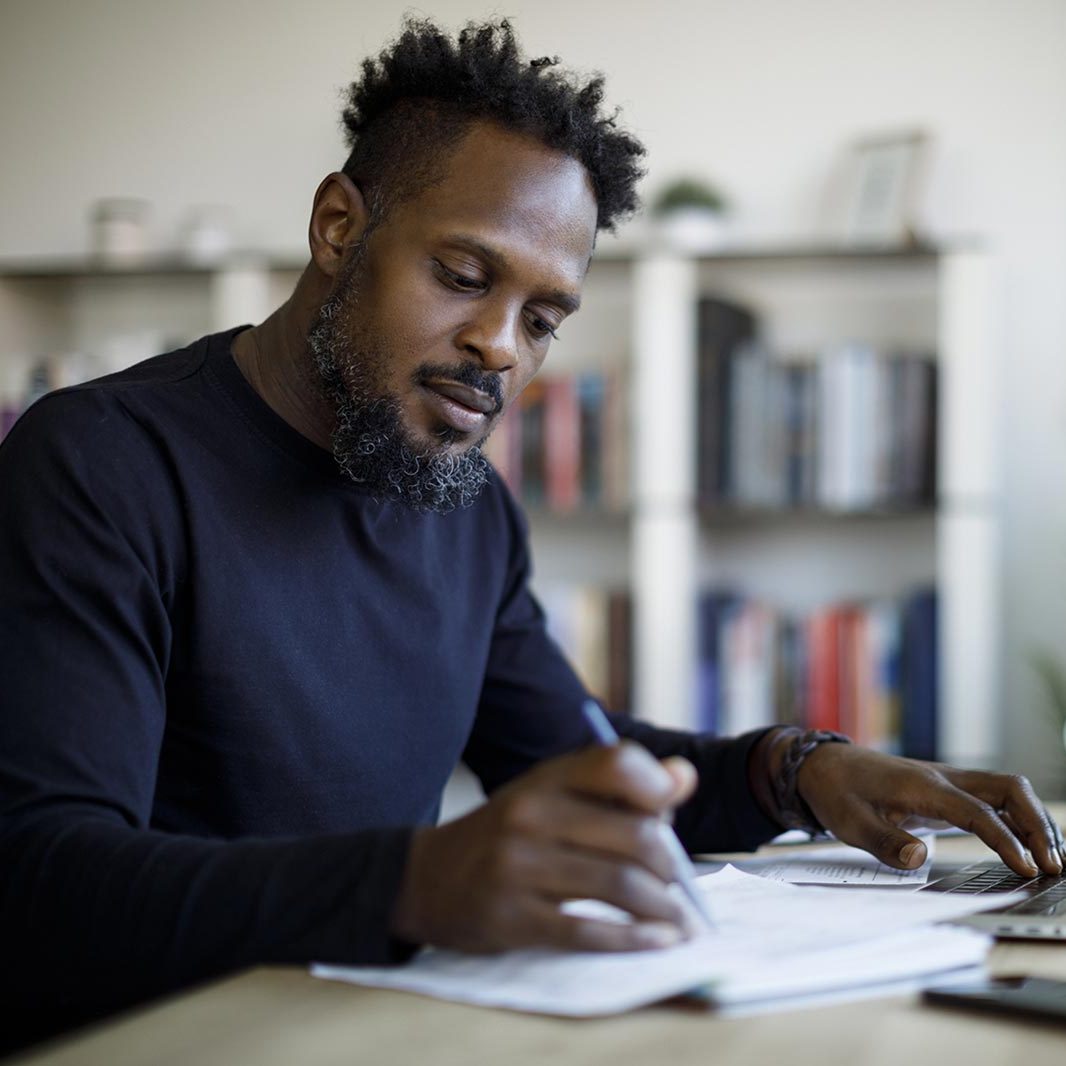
411, 320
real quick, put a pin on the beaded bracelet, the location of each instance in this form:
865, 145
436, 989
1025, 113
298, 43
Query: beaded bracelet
791, 808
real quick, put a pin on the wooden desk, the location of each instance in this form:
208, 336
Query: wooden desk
283, 1017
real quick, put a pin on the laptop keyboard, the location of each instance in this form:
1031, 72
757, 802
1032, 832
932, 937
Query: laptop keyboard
1046, 893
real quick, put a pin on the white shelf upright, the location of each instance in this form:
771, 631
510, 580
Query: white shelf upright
664, 522
968, 522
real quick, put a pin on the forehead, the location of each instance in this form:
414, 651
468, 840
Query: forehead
514, 194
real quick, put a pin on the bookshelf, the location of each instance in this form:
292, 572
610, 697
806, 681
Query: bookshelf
940, 300
640, 315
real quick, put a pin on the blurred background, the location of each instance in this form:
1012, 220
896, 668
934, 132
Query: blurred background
801, 456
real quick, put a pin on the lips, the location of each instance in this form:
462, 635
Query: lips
462, 408
461, 394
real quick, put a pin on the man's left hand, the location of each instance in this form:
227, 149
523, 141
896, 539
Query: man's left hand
869, 799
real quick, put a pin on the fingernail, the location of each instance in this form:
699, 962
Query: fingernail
657, 934
912, 854
1028, 857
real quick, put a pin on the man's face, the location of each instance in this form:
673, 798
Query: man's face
444, 314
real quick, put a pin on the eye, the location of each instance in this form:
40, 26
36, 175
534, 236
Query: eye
455, 280
539, 328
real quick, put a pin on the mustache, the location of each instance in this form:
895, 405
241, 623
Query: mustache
464, 374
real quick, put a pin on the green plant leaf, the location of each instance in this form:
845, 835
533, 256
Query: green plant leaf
687, 192
1051, 672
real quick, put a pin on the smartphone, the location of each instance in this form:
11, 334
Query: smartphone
1031, 997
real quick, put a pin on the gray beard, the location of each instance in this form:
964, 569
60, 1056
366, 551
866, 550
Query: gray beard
369, 441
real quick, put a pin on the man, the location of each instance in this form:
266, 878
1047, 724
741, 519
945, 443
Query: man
260, 595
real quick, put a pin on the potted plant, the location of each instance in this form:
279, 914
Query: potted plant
688, 214
1054, 678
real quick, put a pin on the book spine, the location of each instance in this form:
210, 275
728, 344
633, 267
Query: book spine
824, 702
919, 676
619, 650
615, 448
590, 398
562, 444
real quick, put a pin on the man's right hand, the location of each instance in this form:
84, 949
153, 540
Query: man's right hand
586, 825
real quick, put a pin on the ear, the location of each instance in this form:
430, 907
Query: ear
338, 219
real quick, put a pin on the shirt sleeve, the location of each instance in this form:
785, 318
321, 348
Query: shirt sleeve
97, 908
530, 709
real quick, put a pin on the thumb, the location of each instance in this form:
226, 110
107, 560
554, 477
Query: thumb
893, 846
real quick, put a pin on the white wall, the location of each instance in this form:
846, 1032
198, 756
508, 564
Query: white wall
237, 102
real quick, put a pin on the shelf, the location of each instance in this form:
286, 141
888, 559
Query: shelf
153, 266
728, 515
583, 515
833, 253
620, 255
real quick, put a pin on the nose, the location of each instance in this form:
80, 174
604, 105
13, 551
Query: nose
490, 336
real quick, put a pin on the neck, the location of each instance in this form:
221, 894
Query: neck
276, 362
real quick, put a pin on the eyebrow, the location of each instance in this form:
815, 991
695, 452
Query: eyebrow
566, 300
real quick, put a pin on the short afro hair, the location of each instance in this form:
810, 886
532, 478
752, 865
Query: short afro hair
419, 96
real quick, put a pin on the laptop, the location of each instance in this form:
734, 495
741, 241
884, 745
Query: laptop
1040, 916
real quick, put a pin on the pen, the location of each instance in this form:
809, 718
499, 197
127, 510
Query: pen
683, 871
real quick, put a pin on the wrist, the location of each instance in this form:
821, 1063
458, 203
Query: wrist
790, 785
764, 763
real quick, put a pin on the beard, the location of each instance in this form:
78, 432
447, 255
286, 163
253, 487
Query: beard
370, 441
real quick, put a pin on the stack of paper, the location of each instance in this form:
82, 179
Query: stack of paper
772, 939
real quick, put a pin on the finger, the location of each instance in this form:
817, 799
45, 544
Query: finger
562, 873
1027, 817
1060, 841
685, 778
589, 825
1056, 848
622, 773
979, 817
554, 928
865, 828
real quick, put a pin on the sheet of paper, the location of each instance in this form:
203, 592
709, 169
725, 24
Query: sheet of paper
839, 864
817, 937
928, 829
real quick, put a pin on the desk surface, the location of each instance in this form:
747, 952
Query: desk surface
283, 1016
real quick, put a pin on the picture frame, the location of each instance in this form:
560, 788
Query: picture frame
883, 184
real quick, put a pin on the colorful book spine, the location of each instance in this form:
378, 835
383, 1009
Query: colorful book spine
865, 669
563, 444
852, 429
593, 627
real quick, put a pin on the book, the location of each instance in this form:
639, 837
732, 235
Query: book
591, 391
712, 610
919, 675
619, 650
562, 444
592, 625
852, 430
867, 669
722, 326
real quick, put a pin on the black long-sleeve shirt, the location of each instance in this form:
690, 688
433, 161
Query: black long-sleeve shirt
232, 683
